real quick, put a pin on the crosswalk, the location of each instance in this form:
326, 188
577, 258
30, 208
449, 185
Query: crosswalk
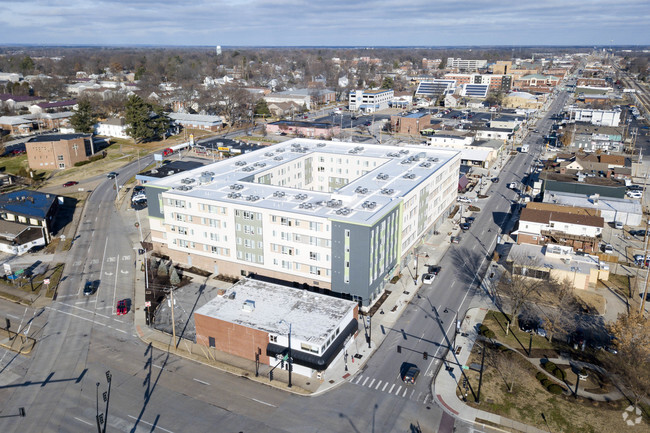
119, 324
398, 389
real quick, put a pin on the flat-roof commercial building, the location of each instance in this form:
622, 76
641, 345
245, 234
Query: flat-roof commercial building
327, 215
466, 64
251, 320
370, 101
26, 220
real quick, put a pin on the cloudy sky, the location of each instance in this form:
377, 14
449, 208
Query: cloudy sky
325, 23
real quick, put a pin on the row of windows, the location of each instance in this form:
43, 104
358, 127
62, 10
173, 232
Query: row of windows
301, 267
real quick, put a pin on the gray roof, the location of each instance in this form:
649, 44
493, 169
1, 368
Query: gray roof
313, 316
28, 203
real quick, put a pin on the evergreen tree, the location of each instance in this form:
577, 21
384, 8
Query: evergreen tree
162, 269
83, 120
387, 83
145, 122
174, 279
262, 109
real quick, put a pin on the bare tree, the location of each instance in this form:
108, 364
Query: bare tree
517, 286
560, 317
504, 362
631, 334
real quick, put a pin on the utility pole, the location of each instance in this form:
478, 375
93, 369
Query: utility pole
173, 322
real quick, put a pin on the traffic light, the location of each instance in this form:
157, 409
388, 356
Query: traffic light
271, 376
425, 355
282, 364
399, 349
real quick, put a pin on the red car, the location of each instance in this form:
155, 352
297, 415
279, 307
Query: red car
71, 183
122, 308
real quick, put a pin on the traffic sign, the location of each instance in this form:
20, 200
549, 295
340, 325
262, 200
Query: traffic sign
465, 367
20, 272
46, 281
147, 303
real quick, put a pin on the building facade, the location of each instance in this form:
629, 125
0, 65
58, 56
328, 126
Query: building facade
58, 151
326, 215
465, 64
370, 101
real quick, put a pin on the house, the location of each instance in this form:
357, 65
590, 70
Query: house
556, 262
303, 129
48, 107
282, 109
113, 127
26, 220
261, 322
18, 124
543, 223
58, 151
494, 133
197, 121
16, 102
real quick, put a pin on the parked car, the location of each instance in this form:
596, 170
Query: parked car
495, 180
122, 308
638, 259
512, 185
608, 249
470, 220
634, 194
112, 175
463, 199
435, 270
455, 239
70, 183
618, 224
464, 226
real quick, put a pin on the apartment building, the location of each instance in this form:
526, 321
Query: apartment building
595, 117
323, 215
494, 82
370, 101
465, 65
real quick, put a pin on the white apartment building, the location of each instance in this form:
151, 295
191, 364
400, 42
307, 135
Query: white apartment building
329, 215
114, 127
465, 65
370, 101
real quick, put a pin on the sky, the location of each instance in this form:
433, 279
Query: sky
325, 23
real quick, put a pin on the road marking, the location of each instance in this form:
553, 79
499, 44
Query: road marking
148, 423
200, 381
94, 262
378, 383
358, 379
110, 259
83, 309
263, 402
405, 391
117, 267
420, 395
364, 382
12, 316
413, 392
83, 421
77, 263
126, 257
86, 301
398, 390
370, 385
390, 391
157, 366
384, 388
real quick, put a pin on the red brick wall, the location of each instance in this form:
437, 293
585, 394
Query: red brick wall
231, 338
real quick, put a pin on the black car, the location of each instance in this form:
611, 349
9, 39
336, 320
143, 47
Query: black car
111, 175
469, 220
89, 288
464, 226
435, 270
495, 180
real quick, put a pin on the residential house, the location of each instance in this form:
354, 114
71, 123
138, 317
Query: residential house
113, 127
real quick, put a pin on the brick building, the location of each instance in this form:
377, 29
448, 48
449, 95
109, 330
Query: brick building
252, 320
58, 151
411, 123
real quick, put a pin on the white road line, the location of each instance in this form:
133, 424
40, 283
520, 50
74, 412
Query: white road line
148, 423
419, 395
83, 309
412, 392
390, 391
398, 390
85, 302
117, 267
200, 381
157, 366
405, 391
370, 385
71, 314
83, 421
12, 316
378, 383
358, 379
263, 402
364, 382
384, 388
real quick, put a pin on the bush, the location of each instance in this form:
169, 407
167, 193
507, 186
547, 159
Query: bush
80, 163
555, 389
485, 331
549, 366
559, 373
474, 208
540, 376
546, 383
489, 334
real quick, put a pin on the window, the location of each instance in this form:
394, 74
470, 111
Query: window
59, 157
211, 342
273, 338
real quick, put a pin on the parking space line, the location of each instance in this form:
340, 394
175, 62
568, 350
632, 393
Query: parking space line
83, 421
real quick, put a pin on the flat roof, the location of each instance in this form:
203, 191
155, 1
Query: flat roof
303, 124
363, 200
313, 316
27, 202
57, 137
604, 203
417, 115
580, 264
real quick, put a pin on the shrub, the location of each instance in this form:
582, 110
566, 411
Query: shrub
474, 208
555, 389
546, 382
540, 376
80, 163
550, 366
489, 334
559, 373
395, 279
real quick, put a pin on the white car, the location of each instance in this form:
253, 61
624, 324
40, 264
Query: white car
428, 278
462, 199
635, 194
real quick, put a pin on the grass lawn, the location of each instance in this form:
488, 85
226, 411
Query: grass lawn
529, 399
12, 164
516, 338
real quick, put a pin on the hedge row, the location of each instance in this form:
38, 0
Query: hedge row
485, 331
555, 370
547, 383
93, 158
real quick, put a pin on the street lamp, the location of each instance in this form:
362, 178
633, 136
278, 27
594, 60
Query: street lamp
289, 359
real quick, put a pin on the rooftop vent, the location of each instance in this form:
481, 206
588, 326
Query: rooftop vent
334, 203
361, 190
382, 176
387, 191
236, 186
409, 176
425, 164
240, 163
369, 204
300, 196
252, 197
279, 194
321, 145
248, 306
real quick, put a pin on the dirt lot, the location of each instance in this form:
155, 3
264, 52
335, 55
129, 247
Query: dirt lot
528, 400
